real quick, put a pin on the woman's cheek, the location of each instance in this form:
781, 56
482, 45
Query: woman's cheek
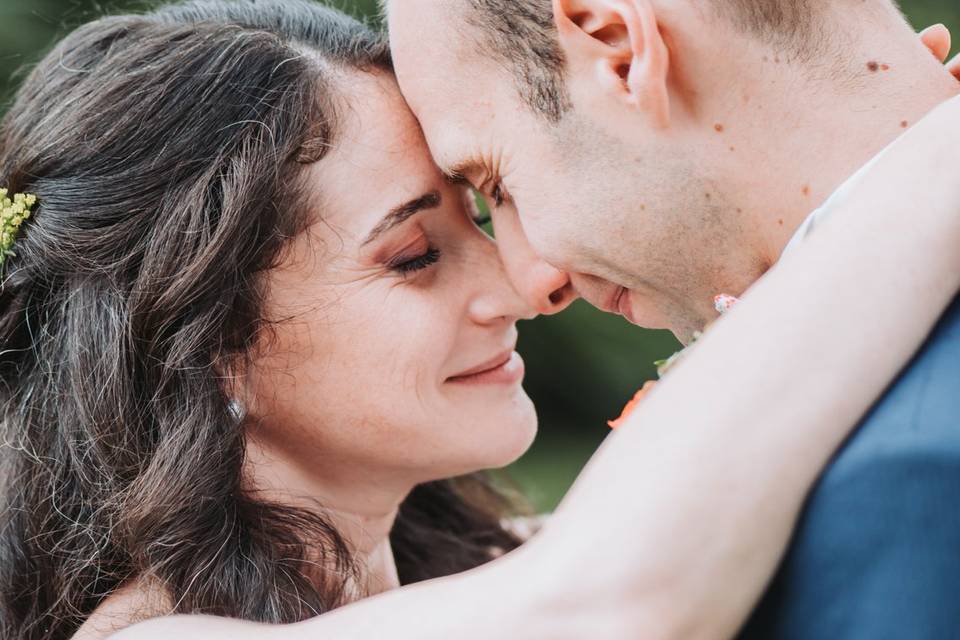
425, 345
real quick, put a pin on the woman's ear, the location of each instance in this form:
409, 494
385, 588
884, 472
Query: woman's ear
235, 386
616, 46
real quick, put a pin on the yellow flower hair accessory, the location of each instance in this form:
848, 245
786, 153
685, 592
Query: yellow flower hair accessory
12, 214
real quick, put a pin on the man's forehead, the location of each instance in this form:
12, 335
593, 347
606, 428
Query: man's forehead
452, 149
449, 84
423, 16
434, 33
463, 126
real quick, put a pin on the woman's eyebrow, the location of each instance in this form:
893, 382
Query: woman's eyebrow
403, 212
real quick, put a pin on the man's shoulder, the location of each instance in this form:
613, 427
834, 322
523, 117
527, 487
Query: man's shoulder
874, 553
912, 432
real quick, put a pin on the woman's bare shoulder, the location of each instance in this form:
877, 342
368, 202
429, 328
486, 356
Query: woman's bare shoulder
128, 605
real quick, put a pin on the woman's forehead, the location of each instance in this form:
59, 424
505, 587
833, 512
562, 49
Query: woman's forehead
378, 158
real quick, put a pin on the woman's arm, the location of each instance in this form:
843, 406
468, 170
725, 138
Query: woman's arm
716, 463
679, 520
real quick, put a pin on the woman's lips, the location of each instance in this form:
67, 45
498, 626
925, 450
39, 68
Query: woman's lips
505, 369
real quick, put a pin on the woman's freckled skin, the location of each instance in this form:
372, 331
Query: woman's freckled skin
884, 67
718, 128
904, 124
873, 66
732, 148
780, 222
805, 189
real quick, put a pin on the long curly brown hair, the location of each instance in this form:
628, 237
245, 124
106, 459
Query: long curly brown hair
167, 151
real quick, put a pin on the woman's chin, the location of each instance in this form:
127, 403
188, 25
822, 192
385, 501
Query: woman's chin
490, 437
509, 437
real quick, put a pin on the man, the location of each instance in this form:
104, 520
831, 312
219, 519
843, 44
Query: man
662, 152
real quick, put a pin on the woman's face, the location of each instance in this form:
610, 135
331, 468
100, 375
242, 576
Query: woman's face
393, 353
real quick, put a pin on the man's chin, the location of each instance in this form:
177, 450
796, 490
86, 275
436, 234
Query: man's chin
686, 326
689, 329
685, 337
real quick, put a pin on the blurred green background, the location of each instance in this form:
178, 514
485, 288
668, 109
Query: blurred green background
582, 365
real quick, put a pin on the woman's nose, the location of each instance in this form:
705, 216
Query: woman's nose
545, 288
498, 297
494, 298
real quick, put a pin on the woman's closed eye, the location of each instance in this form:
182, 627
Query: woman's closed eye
406, 264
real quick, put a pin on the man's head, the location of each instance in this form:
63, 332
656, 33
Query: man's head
665, 149
522, 35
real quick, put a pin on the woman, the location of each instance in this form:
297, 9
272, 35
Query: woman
250, 333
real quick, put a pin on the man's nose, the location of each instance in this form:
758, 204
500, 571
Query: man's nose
543, 287
546, 289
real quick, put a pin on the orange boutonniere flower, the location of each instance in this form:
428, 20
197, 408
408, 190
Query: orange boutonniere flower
723, 304
632, 405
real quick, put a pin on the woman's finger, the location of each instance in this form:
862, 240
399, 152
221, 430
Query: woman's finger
937, 38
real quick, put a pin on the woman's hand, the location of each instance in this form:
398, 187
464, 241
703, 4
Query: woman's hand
937, 38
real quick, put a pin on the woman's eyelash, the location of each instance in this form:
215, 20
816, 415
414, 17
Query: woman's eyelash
406, 265
482, 220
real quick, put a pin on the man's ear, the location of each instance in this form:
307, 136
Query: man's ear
618, 44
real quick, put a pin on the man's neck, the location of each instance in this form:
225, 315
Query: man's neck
825, 128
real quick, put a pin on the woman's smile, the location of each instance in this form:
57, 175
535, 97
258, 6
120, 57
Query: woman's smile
505, 369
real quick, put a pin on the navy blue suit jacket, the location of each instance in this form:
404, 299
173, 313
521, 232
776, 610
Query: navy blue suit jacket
876, 555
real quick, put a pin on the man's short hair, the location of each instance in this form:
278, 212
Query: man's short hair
522, 35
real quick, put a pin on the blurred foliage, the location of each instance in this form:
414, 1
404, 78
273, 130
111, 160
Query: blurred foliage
582, 365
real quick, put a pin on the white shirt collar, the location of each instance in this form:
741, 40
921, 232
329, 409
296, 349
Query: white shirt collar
835, 201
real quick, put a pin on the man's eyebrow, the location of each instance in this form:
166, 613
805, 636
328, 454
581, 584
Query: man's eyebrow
399, 214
